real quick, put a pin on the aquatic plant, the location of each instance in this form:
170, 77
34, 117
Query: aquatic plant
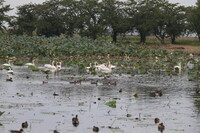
111, 104
1, 113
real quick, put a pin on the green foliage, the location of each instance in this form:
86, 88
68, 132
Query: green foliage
33, 68
1, 113
128, 115
6, 67
18, 63
136, 95
111, 104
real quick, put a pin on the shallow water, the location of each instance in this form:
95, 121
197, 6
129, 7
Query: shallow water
28, 99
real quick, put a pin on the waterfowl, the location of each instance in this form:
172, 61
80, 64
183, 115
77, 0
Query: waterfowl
95, 129
94, 82
88, 68
105, 69
49, 65
152, 94
55, 131
55, 94
9, 78
156, 120
178, 67
159, 92
30, 64
190, 65
25, 124
16, 131
7, 64
59, 65
75, 121
111, 66
161, 127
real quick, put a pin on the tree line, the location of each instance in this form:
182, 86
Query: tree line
96, 18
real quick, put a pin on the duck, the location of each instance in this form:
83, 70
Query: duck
16, 131
152, 94
94, 82
161, 127
10, 71
25, 124
156, 120
55, 131
7, 64
31, 64
75, 121
95, 129
159, 92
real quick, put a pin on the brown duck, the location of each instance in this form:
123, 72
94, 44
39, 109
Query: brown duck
55, 131
161, 127
25, 124
156, 120
75, 121
95, 129
16, 131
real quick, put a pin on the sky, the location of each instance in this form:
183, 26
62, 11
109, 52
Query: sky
15, 3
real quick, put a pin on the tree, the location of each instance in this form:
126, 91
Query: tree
50, 19
144, 18
3, 17
176, 24
115, 17
92, 17
194, 17
26, 20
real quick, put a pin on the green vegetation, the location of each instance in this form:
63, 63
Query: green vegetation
111, 104
1, 113
86, 18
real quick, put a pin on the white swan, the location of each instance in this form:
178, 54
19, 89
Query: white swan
103, 68
10, 71
178, 67
30, 64
49, 65
88, 68
190, 65
7, 64
111, 66
59, 65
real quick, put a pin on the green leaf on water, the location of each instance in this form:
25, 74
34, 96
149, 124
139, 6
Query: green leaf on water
128, 115
111, 104
81, 104
1, 113
33, 68
136, 95
7, 67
